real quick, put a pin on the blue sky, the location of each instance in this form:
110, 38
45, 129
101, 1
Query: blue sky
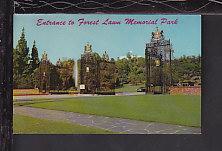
68, 41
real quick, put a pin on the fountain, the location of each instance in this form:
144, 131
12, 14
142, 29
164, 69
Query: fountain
75, 73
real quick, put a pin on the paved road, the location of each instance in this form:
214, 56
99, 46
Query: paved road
107, 123
63, 96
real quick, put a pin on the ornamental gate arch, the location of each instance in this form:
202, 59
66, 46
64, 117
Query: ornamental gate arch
97, 74
158, 55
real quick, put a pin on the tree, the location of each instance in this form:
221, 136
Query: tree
123, 69
66, 73
21, 63
34, 61
186, 68
55, 80
22, 52
131, 69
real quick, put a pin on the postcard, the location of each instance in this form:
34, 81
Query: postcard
106, 74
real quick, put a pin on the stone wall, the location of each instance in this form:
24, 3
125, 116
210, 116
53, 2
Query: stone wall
188, 90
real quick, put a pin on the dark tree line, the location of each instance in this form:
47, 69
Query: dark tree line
24, 63
26, 68
129, 70
187, 68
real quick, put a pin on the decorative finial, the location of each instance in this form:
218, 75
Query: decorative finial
88, 48
157, 34
44, 56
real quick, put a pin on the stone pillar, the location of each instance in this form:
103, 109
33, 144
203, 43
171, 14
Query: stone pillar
44, 74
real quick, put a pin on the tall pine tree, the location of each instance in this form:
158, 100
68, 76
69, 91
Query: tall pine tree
22, 52
21, 67
34, 61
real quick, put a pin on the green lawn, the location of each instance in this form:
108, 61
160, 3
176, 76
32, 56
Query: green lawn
178, 109
29, 125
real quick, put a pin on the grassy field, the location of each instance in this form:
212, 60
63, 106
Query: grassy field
177, 109
29, 125
129, 88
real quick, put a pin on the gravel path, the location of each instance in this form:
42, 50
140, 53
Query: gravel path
107, 123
